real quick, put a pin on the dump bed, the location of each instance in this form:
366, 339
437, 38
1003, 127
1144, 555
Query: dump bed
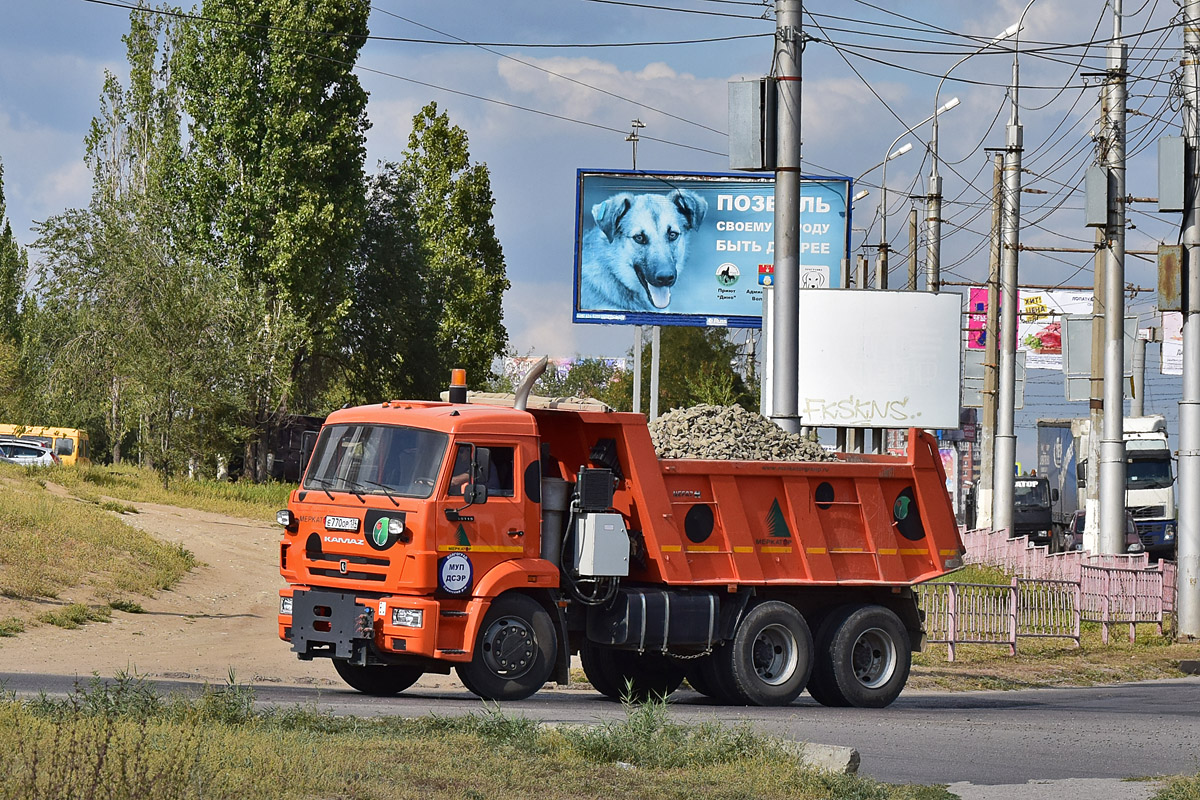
860, 520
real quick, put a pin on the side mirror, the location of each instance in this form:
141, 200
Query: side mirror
477, 491
1054, 495
308, 442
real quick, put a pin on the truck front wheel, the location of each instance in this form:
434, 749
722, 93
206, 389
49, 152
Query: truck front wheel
770, 657
514, 654
863, 658
378, 680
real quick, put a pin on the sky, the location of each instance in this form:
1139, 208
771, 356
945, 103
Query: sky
536, 114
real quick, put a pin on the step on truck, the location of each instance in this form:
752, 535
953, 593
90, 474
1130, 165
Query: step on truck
502, 541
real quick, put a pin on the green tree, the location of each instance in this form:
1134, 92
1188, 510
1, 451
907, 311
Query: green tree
390, 332
134, 329
465, 271
14, 266
696, 366
276, 186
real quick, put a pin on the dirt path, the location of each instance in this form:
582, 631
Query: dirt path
220, 617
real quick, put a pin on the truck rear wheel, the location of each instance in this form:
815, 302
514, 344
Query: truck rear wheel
770, 657
378, 680
620, 673
514, 654
863, 658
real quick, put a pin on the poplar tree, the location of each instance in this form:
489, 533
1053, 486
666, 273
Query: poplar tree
276, 186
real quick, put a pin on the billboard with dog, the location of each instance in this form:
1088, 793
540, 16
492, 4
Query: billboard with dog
658, 248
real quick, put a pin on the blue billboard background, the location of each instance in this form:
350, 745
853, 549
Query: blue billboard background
695, 249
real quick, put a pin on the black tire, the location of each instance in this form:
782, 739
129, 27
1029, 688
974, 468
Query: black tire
378, 680
618, 674
698, 679
514, 652
821, 685
865, 658
706, 676
770, 657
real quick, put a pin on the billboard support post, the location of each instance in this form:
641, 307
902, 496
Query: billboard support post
637, 369
788, 47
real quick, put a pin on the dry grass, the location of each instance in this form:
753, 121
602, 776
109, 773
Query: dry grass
54, 548
126, 742
100, 485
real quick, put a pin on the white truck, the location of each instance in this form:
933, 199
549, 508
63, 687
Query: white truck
1149, 479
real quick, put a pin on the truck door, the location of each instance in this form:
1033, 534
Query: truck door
472, 539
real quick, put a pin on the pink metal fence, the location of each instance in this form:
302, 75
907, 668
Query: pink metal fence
1050, 597
973, 613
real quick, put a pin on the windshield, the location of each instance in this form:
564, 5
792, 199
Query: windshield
376, 459
1030, 493
1148, 473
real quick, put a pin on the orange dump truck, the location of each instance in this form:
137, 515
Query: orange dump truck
501, 541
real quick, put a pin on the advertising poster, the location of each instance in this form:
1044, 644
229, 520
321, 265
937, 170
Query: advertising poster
1172, 343
1039, 323
686, 249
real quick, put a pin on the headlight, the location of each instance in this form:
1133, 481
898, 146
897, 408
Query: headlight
408, 617
1168, 533
284, 518
1136, 547
285, 606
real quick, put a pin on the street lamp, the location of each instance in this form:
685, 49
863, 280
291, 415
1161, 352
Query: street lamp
1006, 440
933, 217
881, 281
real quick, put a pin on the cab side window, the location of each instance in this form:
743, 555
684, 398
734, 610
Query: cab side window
500, 478
500, 473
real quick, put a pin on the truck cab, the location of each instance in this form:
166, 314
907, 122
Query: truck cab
1033, 500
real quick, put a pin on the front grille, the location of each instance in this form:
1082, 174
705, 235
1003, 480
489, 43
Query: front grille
372, 562
1145, 512
350, 576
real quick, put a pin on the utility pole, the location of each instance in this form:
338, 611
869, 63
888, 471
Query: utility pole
1112, 445
1137, 394
1188, 536
912, 249
991, 354
633, 138
1091, 501
785, 383
1006, 439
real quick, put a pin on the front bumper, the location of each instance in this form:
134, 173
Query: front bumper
330, 624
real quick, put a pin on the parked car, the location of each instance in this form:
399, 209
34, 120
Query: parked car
1072, 536
26, 452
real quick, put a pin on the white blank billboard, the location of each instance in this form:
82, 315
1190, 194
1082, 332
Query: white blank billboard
879, 359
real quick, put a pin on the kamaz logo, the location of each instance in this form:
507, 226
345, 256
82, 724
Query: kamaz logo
340, 540
687, 493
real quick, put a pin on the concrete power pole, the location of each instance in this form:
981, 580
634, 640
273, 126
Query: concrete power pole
785, 383
1006, 438
1112, 445
991, 354
1188, 537
912, 250
1137, 395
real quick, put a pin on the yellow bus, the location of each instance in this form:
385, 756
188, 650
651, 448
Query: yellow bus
71, 445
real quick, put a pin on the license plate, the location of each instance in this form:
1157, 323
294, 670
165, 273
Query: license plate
341, 523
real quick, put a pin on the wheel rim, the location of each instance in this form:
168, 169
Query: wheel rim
874, 658
776, 654
509, 647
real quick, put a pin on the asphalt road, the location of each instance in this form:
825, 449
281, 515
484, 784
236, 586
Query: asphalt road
1130, 730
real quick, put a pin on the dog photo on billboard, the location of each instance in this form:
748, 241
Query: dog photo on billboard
634, 255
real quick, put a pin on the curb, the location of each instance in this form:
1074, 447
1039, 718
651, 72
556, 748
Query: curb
828, 757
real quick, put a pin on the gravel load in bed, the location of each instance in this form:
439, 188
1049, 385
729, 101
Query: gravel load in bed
728, 433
